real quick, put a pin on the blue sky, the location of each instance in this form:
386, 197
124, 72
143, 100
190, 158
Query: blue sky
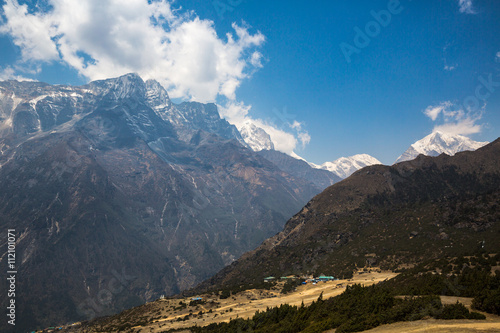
294, 68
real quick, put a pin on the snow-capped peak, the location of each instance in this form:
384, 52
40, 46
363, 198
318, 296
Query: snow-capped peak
255, 137
346, 166
437, 143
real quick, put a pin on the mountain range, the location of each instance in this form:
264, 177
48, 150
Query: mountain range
118, 195
259, 140
112, 181
433, 144
390, 216
433, 220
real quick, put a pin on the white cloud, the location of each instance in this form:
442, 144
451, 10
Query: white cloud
304, 138
296, 125
464, 126
31, 33
497, 58
102, 39
8, 73
256, 59
235, 112
434, 111
465, 6
454, 120
286, 138
283, 141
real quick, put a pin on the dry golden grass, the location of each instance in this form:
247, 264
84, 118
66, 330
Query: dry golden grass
441, 326
245, 304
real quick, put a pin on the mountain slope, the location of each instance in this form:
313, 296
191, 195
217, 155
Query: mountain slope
438, 143
346, 166
112, 182
301, 169
400, 215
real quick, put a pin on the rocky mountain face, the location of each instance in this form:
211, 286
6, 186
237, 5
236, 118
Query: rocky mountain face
118, 196
346, 166
255, 137
189, 116
394, 217
438, 143
301, 169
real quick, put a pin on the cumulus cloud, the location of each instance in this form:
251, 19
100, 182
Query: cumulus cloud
235, 112
102, 39
31, 32
465, 6
286, 134
453, 119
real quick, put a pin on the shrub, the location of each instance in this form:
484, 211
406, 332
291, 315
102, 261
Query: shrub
458, 311
225, 294
487, 301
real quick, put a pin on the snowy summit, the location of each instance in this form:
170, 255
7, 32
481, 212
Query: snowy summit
437, 143
346, 166
255, 137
